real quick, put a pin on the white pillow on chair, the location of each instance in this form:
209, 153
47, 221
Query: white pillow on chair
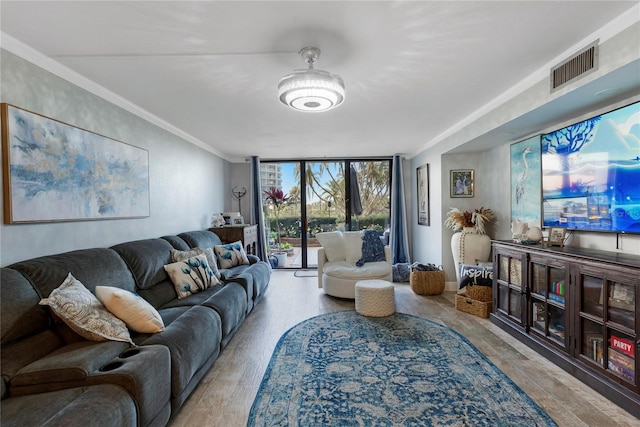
333, 245
353, 246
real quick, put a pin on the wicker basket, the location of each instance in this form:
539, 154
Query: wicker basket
427, 282
472, 306
479, 293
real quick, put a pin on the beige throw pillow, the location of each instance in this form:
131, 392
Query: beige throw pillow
177, 255
132, 309
353, 246
333, 244
191, 275
82, 312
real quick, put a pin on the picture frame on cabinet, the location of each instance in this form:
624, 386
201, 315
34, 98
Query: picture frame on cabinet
556, 236
461, 183
622, 296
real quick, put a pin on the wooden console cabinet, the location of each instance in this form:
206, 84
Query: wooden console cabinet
247, 234
578, 308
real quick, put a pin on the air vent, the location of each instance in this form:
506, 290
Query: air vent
581, 64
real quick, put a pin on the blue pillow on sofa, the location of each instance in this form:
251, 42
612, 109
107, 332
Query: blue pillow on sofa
372, 248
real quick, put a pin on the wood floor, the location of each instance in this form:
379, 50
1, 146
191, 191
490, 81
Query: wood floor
225, 395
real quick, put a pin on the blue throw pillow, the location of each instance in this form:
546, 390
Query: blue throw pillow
372, 248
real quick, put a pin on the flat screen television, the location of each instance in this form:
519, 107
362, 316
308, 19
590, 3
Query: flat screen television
591, 173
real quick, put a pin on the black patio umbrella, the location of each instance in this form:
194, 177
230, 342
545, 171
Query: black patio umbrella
356, 203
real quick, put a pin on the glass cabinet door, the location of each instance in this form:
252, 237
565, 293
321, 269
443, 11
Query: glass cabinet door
607, 325
592, 319
509, 282
547, 290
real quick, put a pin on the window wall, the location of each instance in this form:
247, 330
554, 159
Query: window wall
323, 195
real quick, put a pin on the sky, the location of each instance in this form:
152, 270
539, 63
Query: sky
289, 180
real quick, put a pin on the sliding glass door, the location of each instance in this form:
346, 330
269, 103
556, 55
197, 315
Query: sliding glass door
338, 195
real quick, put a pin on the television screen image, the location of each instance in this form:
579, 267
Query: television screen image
591, 173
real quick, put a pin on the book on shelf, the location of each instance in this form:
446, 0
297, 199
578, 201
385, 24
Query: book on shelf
623, 345
553, 297
621, 364
556, 298
595, 349
621, 371
558, 332
622, 360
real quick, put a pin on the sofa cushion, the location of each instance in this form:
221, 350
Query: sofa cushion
231, 255
177, 255
231, 305
193, 336
135, 312
146, 259
20, 314
352, 246
92, 267
333, 244
191, 275
73, 362
259, 274
346, 270
177, 243
82, 311
200, 239
104, 405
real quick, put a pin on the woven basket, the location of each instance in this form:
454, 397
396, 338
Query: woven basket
427, 282
471, 306
479, 293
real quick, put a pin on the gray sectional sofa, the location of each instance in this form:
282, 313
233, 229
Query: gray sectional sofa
52, 376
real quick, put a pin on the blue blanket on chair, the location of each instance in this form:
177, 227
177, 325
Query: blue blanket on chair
372, 248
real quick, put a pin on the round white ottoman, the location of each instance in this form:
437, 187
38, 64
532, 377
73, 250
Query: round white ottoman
375, 298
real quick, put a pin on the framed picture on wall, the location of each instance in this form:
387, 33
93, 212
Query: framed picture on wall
526, 182
461, 183
58, 172
423, 194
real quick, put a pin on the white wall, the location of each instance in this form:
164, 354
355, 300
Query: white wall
187, 183
240, 176
427, 241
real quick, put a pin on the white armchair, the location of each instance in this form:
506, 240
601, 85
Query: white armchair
337, 270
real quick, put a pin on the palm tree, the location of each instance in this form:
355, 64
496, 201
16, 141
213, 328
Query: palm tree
373, 177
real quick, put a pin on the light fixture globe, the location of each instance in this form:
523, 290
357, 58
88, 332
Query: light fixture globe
311, 90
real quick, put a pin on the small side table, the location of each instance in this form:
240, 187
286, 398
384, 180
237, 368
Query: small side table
247, 234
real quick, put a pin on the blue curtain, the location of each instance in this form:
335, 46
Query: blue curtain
256, 191
399, 238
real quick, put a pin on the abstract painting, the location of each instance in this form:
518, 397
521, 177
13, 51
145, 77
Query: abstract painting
526, 181
57, 172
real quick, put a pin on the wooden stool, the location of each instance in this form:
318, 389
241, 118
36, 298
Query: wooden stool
375, 298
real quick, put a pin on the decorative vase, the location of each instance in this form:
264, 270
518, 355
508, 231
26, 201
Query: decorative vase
468, 247
282, 259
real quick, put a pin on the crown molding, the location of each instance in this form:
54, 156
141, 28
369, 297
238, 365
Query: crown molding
34, 56
604, 33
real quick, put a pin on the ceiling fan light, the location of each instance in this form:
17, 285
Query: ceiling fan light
311, 90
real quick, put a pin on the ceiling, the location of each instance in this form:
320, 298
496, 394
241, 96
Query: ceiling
413, 70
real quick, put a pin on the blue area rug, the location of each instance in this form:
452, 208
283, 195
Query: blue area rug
343, 369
